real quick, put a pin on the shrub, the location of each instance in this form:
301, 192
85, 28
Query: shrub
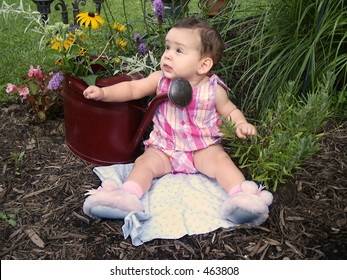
287, 134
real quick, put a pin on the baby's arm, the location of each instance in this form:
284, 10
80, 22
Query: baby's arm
124, 91
229, 111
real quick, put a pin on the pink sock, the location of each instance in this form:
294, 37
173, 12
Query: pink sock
234, 190
133, 188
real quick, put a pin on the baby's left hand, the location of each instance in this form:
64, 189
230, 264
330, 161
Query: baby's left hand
245, 129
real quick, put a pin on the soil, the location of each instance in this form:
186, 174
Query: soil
46, 191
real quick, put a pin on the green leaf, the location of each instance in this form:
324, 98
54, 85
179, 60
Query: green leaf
90, 80
3, 215
12, 222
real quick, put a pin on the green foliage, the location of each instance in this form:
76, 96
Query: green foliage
340, 101
17, 159
288, 134
283, 41
91, 48
10, 218
146, 64
5, 98
17, 17
16, 44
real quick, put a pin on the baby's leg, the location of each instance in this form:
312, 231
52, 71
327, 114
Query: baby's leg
214, 162
113, 203
247, 203
153, 163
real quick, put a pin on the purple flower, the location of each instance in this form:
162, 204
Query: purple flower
55, 82
137, 37
158, 7
142, 48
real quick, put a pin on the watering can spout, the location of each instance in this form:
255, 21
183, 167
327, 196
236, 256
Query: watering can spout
180, 94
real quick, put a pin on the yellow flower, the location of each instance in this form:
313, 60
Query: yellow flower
57, 44
68, 42
89, 19
82, 51
121, 43
59, 62
119, 27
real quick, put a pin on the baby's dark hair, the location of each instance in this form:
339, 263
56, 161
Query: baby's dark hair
211, 41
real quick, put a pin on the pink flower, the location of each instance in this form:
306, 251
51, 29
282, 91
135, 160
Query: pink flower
35, 72
11, 88
23, 92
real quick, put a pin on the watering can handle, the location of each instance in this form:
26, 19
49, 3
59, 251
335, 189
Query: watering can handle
157, 100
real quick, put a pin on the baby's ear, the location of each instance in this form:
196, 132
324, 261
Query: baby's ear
206, 64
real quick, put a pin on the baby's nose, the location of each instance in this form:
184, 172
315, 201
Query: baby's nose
168, 55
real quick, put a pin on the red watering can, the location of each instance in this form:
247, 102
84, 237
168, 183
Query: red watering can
105, 133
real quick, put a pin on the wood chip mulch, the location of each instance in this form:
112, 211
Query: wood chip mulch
46, 191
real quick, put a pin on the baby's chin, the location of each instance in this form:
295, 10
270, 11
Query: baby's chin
170, 75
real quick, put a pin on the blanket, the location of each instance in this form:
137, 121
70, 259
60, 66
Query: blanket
176, 205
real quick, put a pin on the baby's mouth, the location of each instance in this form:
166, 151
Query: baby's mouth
167, 68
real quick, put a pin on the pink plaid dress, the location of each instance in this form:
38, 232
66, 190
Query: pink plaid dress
178, 132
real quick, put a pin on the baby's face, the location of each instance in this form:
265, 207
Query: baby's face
182, 56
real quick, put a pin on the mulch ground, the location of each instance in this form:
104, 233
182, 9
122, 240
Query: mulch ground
46, 190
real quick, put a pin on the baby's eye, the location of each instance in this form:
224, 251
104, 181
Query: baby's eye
179, 51
167, 47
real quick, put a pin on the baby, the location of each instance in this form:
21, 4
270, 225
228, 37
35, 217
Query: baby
187, 140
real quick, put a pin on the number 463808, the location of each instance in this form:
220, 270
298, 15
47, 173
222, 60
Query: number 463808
218, 270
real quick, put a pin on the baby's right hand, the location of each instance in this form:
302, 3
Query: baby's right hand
94, 92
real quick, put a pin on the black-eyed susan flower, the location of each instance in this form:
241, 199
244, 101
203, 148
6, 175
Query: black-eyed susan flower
57, 43
119, 27
59, 62
69, 41
121, 43
82, 51
89, 19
